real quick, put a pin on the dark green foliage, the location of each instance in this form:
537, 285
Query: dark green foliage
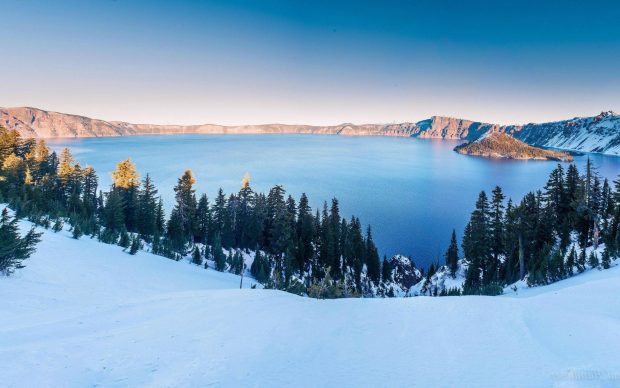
455, 291
77, 231
533, 238
606, 259
197, 256
124, 241
217, 254
581, 261
372, 257
261, 268
13, 247
593, 261
147, 222
386, 271
58, 225
135, 245
452, 255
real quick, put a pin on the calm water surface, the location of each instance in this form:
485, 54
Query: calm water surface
412, 191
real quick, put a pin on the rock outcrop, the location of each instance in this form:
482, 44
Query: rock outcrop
500, 145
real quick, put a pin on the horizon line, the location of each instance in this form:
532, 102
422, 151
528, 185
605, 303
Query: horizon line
302, 124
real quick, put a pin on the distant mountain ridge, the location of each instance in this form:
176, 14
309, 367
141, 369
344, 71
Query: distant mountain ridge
599, 133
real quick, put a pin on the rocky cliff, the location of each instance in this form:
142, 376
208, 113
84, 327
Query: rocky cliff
589, 134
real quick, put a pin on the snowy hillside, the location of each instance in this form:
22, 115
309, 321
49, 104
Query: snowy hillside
588, 134
84, 313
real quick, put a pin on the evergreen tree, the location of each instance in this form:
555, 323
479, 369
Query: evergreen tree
219, 213
197, 256
593, 260
386, 271
452, 255
571, 261
185, 208
203, 220
581, 261
217, 254
477, 241
77, 231
372, 258
135, 245
305, 234
113, 212
14, 248
606, 259
124, 240
126, 181
147, 208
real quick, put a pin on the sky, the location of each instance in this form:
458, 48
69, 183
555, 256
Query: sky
311, 62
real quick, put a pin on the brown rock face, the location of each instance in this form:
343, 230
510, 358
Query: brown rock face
588, 134
503, 146
32, 122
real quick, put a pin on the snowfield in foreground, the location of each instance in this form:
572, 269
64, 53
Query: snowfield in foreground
87, 314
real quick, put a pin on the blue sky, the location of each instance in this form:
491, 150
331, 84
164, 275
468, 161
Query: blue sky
318, 62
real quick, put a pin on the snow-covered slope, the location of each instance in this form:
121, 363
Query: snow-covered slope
87, 314
589, 134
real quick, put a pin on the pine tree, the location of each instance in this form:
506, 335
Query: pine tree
571, 261
14, 248
305, 234
372, 258
184, 212
606, 259
125, 240
219, 214
386, 271
58, 225
77, 231
452, 255
65, 174
126, 181
477, 241
196, 256
147, 208
217, 254
125, 176
555, 196
90, 183
113, 218
593, 260
135, 245
497, 244
203, 220
581, 261
160, 218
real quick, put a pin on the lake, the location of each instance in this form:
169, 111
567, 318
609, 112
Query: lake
412, 191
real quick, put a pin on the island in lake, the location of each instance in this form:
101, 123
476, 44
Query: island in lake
504, 146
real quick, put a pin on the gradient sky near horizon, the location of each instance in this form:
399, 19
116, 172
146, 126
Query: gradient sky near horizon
314, 62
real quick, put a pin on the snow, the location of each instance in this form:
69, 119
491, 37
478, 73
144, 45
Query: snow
84, 313
599, 134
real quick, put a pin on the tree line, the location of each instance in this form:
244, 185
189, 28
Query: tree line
544, 237
295, 248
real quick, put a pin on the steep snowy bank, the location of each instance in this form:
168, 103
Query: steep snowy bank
83, 313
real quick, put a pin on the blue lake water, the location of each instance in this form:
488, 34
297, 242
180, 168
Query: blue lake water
412, 191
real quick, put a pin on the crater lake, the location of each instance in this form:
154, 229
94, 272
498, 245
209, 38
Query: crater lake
412, 191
